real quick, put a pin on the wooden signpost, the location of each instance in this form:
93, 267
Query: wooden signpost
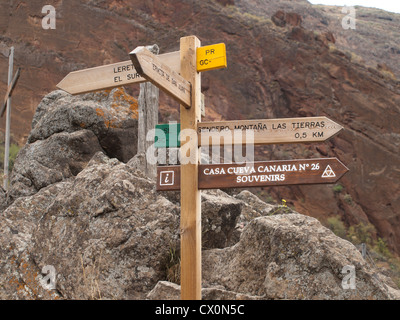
269, 131
257, 174
265, 131
111, 76
190, 193
178, 74
161, 75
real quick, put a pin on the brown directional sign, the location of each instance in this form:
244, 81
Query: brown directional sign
268, 131
257, 174
10, 89
151, 67
111, 75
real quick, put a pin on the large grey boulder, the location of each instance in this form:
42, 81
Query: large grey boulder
220, 213
111, 116
106, 232
19, 274
67, 131
165, 290
45, 162
292, 256
109, 235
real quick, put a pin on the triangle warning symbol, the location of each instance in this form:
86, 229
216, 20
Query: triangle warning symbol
328, 173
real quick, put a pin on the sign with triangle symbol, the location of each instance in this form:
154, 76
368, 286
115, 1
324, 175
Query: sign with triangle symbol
328, 173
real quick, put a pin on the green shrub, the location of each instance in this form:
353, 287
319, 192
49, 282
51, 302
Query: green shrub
348, 199
362, 233
365, 233
173, 265
14, 149
337, 188
336, 226
382, 248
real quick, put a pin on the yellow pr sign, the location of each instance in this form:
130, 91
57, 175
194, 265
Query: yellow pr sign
211, 57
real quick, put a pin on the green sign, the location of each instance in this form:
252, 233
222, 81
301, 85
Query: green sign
167, 135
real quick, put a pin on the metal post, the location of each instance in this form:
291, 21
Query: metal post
363, 250
8, 122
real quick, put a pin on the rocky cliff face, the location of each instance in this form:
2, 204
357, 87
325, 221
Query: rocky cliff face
276, 68
373, 41
103, 231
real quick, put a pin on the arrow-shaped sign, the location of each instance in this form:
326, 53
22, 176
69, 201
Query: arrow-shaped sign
257, 174
268, 131
111, 76
10, 89
151, 67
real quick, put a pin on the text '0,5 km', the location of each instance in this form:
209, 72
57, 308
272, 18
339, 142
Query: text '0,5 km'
268, 131
257, 174
258, 132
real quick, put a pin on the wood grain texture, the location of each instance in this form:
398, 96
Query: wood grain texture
190, 194
268, 131
111, 75
161, 75
259, 174
148, 104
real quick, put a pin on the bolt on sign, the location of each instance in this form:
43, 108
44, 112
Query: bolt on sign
211, 57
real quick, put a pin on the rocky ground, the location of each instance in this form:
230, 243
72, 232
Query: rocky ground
108, 234
285, 59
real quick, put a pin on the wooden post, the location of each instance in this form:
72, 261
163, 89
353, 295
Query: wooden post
8, 122
148, 118
190, 194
